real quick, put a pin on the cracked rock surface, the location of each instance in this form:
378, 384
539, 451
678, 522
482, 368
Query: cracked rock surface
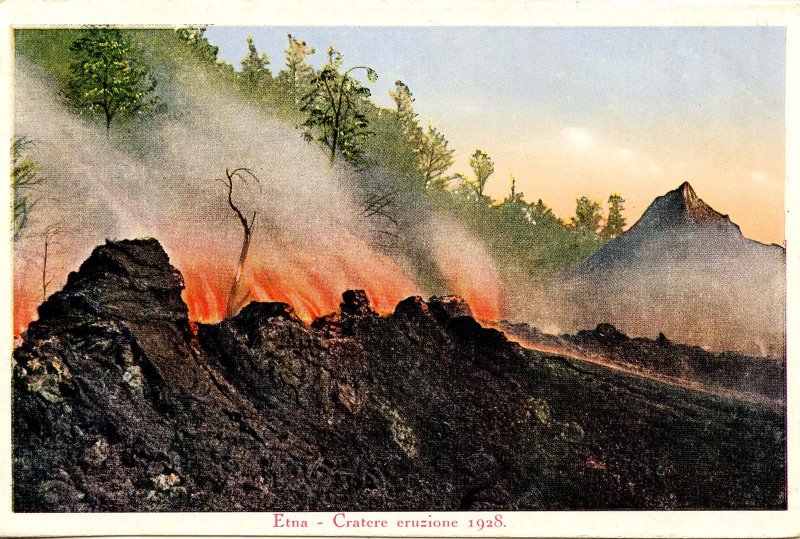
119, 405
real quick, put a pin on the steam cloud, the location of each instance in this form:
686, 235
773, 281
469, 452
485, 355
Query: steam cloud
311, 241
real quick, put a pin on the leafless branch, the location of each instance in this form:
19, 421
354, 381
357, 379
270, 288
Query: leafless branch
243, 174
50, 239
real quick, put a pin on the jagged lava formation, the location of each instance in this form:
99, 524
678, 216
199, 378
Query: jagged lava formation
119, 405
757, 379
686, 270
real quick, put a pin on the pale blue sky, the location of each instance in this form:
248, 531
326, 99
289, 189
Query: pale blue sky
679, 98
566, 75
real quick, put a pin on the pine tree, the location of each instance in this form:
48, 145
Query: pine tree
404, 112
587, 215
542, 210
615, 223
193, 37
335, 107
108, 78
296, 78
403, 99
201, 48
482, 167
24, 179
255, 74
434, 158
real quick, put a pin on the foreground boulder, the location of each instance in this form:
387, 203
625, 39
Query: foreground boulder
118, 406
115, 406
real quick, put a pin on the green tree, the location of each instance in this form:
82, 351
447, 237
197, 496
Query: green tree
515, 196
482, 167
615, 223
388, 149
543, 210
193, 37
434, 158
108, 77
255, 74
514, 205
404, 112
587, 215
335, 107
296, 78
24, 178
403, 99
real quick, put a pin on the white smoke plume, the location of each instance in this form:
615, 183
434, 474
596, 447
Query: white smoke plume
311, 241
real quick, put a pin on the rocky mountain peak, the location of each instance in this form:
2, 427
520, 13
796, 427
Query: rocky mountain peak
356, 303
682, 207
355, 306
128, 280
687, 190
449, 306
128, 292
699, 265
697, 210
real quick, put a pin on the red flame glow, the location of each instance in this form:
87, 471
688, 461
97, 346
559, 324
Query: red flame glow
469, 272
24, 309
310, 281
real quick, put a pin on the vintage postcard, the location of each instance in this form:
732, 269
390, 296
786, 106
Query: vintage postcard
388, 269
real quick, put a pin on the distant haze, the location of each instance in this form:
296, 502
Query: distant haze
684, 270
587, 111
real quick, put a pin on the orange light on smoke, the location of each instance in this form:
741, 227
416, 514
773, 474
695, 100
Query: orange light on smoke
311, 281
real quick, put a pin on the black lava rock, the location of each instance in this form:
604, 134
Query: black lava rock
119, 406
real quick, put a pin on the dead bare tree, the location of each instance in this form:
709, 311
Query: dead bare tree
50, 238
234, 301
377, 208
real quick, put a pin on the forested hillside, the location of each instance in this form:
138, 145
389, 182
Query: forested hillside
399, 166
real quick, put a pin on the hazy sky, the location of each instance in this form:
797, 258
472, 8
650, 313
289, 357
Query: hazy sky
586, 111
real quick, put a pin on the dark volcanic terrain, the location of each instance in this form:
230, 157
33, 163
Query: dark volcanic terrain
757, 379
121, 404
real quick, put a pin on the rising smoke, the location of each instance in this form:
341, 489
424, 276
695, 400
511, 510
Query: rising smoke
706, 286
311, 239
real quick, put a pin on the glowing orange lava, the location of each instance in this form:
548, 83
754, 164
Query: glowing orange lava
313, 287
24, 310
311, 281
